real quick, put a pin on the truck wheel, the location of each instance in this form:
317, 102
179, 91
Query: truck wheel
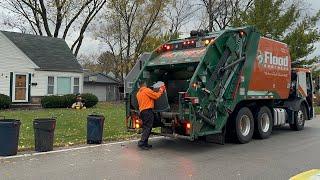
244, 125
299, 118
263, 123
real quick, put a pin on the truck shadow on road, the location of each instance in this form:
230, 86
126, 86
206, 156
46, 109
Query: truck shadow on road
279, 135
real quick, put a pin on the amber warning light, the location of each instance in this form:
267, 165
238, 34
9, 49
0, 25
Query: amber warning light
137, 124
208, 41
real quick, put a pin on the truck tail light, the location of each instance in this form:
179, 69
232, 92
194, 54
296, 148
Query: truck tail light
188, 128
195, 100
167, 47
184, 94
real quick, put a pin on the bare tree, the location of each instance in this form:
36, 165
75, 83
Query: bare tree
89, 62
179, 13
126, 27
55, 18
107, 62
221, 12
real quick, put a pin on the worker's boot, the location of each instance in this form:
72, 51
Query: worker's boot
148, 145
143, 145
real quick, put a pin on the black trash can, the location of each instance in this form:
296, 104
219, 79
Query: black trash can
44, 134
95, 125
9, 137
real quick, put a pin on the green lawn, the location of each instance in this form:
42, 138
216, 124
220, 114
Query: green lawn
71, 124
317, 109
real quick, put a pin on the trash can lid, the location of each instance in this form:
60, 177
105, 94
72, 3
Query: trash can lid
9, 122
44, 124
95, 115
44, 119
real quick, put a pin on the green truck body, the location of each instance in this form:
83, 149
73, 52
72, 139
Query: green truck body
232, 82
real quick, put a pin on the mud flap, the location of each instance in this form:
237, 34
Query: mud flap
219, 138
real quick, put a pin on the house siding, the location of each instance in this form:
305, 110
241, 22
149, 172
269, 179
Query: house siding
104, 92
41, 79
12, 59
99, 90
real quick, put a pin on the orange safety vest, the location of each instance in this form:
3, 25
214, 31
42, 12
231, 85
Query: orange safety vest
146, 98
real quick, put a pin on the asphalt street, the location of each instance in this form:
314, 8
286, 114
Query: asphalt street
285, 154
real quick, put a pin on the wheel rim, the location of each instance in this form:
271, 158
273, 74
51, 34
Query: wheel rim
300, 118
245, 125
265, 122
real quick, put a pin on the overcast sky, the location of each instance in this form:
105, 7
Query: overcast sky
90, 45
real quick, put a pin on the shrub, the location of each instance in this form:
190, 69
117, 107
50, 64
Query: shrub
90, 100
51, 102
66, 101
5, 101
69, 99
58, 101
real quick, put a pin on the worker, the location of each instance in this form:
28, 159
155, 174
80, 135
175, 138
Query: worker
146, 98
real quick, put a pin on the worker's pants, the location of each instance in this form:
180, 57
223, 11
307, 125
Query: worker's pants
147, 117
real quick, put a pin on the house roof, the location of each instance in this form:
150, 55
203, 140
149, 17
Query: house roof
99, 78
48, 53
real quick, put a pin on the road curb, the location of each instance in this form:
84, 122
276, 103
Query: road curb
70, 149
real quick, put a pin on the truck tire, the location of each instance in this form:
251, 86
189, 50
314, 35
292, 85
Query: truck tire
299, 119
244, 125
263, 123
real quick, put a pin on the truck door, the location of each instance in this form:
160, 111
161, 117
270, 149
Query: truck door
305, 89
309, 97
302, 84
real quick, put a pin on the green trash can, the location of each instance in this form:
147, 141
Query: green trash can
95, 125
9, 136
44, 134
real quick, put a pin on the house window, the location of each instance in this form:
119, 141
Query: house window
63, 85
50, 85
76, 85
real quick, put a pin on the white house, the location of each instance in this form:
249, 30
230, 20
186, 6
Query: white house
35, 66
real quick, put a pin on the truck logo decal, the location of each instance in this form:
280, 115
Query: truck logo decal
271, 61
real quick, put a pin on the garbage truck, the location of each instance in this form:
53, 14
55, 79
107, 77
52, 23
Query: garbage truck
232, 84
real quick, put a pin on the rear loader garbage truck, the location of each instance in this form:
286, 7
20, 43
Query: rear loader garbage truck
231, 83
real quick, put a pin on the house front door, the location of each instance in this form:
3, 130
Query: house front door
20, 88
